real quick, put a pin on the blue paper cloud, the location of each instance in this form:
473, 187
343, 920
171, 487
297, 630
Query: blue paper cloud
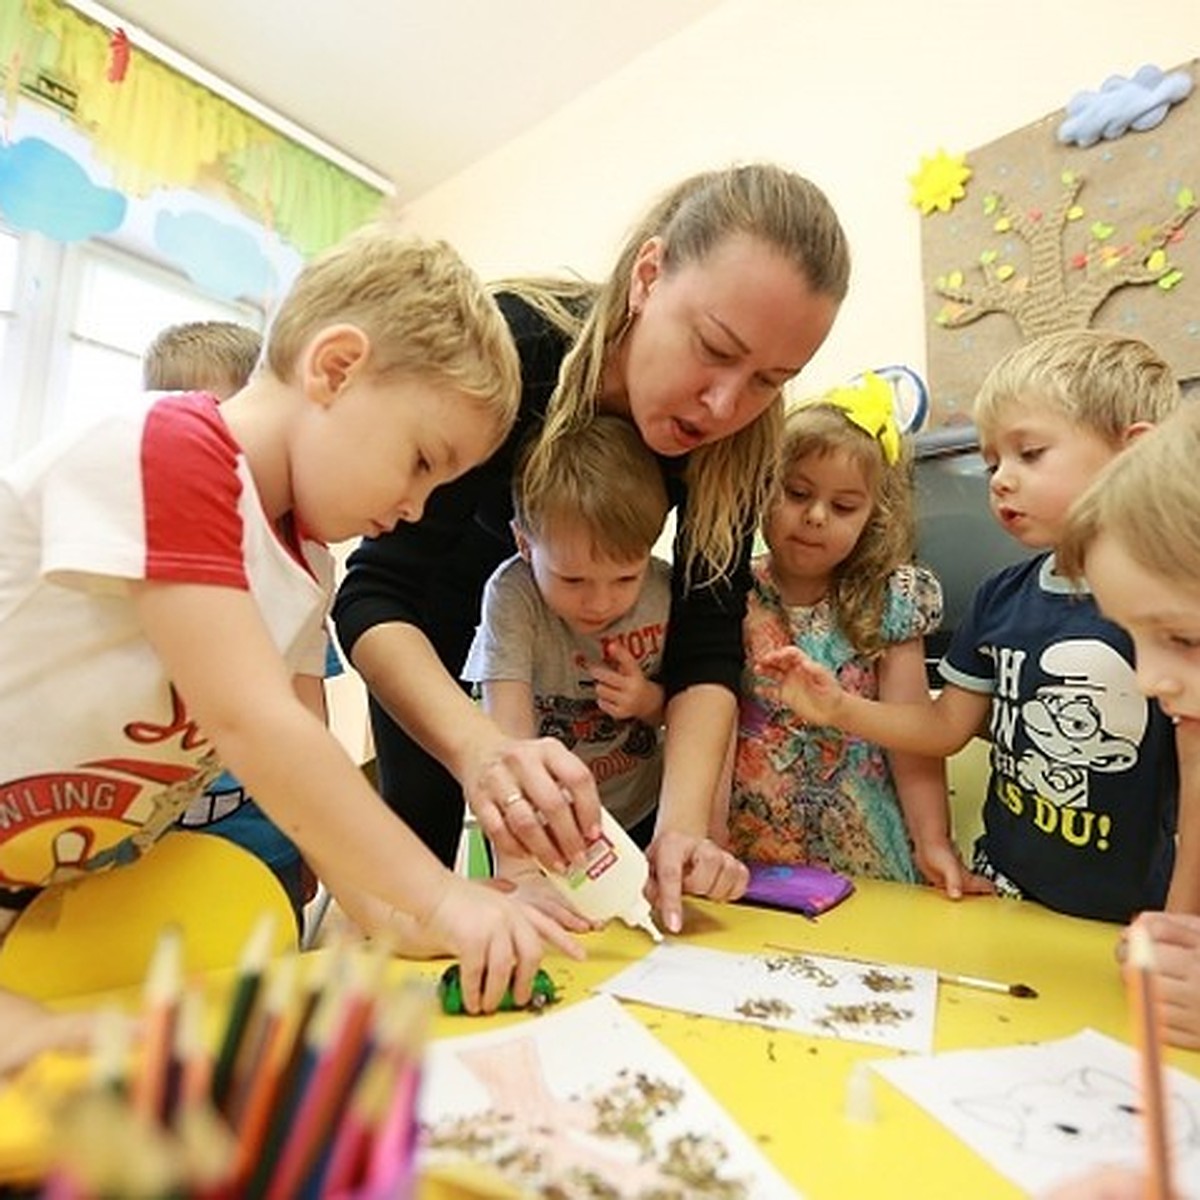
44, 190
218, 257
1123, 104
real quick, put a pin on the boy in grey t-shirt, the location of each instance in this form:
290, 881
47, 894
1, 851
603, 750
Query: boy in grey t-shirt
573, 625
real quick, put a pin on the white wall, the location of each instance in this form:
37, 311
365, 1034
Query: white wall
849, 92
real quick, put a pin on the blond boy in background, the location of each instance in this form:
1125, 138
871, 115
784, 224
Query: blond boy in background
1081, 807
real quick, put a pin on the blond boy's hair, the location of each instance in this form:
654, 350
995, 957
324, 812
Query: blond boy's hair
212, 356
1102, 381
727, 480
597, 478
1148, 500
858, 595
424, 311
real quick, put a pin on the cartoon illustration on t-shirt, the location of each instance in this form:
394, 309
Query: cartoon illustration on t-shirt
58, 826
1093, 720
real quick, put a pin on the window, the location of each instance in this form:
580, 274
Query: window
74, 321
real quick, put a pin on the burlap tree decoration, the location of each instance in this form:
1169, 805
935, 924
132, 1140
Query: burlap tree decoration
1027, 235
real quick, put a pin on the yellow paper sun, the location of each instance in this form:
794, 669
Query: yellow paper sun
938, 182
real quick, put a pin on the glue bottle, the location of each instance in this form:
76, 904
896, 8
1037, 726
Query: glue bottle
612, 882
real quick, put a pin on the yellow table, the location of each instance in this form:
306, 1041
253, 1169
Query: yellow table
788, 1091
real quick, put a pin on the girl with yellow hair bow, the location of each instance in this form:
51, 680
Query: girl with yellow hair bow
838, 581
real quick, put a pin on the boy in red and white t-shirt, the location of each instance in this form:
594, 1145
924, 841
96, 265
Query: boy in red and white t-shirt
163, 575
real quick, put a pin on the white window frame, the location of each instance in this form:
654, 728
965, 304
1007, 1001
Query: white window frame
35, 364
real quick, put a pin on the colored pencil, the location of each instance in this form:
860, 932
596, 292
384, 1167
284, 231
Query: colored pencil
249, 980
111, 1037
327, 1106
286, 1029
330, 1085
278, 999
194, 1053
160, 1007
389, 1170
351, 1149
305, 1055
1149, 1040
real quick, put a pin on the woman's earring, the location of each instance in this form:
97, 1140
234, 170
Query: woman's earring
626, 325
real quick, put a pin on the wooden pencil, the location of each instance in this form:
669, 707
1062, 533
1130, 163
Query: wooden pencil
350, 1152
111, 1039
329, 1087
392, 1158
194, 1052
253, 962
279, 991
287, 1023
159, 1013
1149, 1041
313, 1036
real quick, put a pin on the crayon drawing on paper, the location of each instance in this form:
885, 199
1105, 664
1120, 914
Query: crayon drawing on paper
584, 1103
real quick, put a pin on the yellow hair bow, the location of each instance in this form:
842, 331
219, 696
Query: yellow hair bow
868, 404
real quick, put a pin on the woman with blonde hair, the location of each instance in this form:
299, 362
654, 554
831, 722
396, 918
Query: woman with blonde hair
722, 293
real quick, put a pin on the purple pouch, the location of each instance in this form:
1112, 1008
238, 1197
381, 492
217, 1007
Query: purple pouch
804, 889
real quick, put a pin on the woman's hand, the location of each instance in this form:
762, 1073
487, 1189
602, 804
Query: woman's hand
534, 798
810, 690
682, 863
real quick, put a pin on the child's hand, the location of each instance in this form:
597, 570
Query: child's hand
941, 865
1104, 1183
497, 940
622, 690
31, 1029
1177, 958
534, 890
810, 690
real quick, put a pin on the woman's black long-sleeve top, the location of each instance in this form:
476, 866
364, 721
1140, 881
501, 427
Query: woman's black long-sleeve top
431, 573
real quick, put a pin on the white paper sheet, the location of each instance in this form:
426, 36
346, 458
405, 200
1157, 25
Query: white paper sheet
586, 1093
1044, 1114
872, 1002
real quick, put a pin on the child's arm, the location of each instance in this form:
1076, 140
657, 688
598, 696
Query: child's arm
921, 781
623, 691
31, 1029
935, 728
238, 691
311, 691
1184, 895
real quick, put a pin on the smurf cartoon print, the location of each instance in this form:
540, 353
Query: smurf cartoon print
1092, 721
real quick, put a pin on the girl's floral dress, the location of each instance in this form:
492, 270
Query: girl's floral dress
803, 794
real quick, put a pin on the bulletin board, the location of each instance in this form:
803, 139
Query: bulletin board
1031, 234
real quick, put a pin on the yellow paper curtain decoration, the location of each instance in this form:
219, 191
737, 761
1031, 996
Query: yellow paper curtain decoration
158, 129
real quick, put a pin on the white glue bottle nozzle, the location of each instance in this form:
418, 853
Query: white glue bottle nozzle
639, 916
